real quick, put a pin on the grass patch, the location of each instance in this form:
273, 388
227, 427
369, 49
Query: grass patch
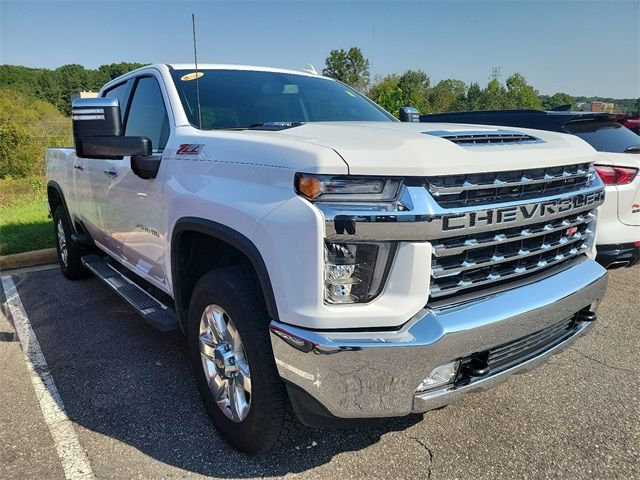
24, 222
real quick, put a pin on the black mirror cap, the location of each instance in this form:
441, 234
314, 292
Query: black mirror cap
409, 114
112, 148
96, 117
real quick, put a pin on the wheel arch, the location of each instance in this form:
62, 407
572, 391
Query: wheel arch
185, 228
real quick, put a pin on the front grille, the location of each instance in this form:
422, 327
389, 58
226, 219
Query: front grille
468, 262
455, 191
507, 355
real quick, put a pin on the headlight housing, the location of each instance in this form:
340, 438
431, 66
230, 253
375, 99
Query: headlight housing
347, 188
355, 272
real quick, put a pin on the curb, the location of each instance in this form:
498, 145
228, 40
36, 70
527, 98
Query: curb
28, 259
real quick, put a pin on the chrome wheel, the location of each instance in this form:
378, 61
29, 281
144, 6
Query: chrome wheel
62, 243
224, 362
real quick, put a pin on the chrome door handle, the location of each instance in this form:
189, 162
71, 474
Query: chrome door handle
78, 166
111, 172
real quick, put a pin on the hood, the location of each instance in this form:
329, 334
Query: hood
419, 149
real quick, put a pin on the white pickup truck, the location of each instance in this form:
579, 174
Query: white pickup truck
324, 260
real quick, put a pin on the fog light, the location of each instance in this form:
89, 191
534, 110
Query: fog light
439, 376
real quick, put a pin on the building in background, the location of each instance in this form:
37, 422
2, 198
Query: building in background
83, 95
597, 107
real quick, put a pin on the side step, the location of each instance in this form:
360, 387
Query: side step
155, 313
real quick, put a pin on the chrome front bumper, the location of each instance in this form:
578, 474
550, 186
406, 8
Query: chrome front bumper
375, 374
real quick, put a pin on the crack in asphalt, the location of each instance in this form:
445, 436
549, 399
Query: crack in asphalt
429, 453
622, 369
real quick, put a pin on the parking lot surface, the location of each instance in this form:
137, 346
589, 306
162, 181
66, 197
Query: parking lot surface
128, 392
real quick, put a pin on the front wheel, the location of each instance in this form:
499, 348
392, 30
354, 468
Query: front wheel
233, 362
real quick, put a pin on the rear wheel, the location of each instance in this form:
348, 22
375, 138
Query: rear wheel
233, 362
69, 253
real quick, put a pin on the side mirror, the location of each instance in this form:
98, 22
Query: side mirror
409, 114
97, 131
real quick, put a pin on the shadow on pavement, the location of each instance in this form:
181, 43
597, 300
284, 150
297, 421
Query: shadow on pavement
121, 378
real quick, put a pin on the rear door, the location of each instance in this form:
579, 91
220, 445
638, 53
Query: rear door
135, 217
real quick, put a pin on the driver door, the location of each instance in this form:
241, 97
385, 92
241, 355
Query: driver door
135, 206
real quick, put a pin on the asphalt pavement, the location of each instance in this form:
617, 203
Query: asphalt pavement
128, 393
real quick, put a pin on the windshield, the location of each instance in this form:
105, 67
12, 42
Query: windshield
604, 136
244, 98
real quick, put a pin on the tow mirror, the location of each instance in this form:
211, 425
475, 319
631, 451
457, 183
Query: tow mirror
97, 131
409, 114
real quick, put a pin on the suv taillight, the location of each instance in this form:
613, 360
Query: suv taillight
616, 175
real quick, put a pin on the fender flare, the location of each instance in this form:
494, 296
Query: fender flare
53, 184
233, 238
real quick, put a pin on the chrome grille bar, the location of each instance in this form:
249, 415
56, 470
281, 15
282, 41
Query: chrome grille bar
459, 245
486, 188
466, 262
440, 272
466, 186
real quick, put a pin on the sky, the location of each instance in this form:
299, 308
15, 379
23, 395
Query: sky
580, 47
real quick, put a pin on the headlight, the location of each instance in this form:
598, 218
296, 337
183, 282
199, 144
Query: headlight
347, 188
354, 273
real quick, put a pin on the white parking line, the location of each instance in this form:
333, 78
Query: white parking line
72, 456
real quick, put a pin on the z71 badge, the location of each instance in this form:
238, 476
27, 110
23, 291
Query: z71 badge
190, 149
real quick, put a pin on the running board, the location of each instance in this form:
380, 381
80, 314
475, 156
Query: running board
154, 312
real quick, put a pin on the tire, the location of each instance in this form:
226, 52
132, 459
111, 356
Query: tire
69, 253
270, 420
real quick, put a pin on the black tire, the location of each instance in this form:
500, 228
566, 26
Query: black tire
270, 421
72, 268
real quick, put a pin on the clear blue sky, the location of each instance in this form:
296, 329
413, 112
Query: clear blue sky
579, 47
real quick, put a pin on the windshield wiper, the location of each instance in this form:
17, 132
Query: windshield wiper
273, 126
633, 149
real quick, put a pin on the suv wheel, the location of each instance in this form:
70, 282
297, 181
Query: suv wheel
233, 362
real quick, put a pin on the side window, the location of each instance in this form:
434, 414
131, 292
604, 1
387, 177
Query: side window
118, 92
147, 114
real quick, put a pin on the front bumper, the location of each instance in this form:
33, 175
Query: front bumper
375, 374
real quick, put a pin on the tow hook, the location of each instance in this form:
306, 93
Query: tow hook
586, 315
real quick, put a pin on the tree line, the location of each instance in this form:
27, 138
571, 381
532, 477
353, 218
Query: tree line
35, 102
55, 86
414, 88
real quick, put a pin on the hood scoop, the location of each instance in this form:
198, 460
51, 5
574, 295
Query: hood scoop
484, 137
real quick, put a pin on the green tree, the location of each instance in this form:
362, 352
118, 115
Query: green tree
448, 96
350, 67
556, 100
493, 96
386, 93
520, 94
27, 127
415, 89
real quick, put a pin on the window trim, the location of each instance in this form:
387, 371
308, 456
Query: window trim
127, 95
131, 92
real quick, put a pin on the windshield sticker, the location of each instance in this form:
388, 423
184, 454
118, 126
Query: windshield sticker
191, 76
190, 149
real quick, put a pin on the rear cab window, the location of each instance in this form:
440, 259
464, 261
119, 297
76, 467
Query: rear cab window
605, 136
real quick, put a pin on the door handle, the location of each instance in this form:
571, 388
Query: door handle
78, 166
111, 172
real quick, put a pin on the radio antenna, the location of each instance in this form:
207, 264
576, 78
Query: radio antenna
195, 58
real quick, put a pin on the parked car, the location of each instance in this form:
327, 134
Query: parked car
324, 260
618, 239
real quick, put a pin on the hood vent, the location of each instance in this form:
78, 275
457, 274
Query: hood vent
491, 137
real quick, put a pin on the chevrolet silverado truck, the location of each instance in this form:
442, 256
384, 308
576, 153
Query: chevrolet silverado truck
327, 263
